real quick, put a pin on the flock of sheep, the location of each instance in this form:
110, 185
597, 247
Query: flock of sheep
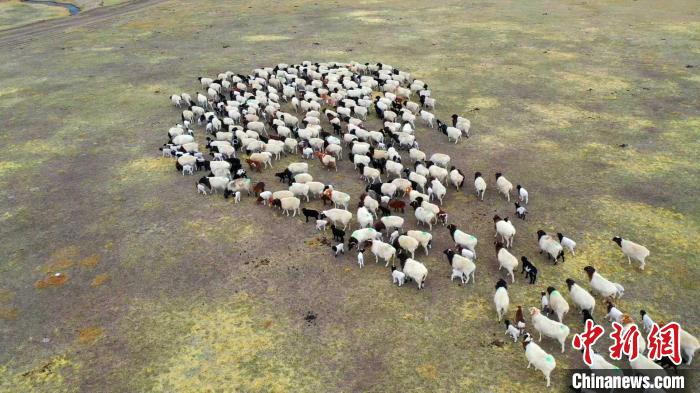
243, 114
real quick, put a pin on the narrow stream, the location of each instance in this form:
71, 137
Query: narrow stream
73, 9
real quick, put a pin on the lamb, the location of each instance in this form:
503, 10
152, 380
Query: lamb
506, 260
551, 246
456, 177
529, 269
201, 189
614, 314
538, 357
463, 239
462, 124
568, 243
549, 328
500, 298
464, 266
522, 194
520, 319
382, 250
415, 271
647, 322
451, 132
425, 216
338, 249
512, 330
581, 298
503, 185
601, 285
520, 211
361, 259
424, 238
397, 276
557, 303
505, 229
632, 250
338, 234
290, 203
466, 252
364, 218
300, 189
479, 185
545, 302
338, 216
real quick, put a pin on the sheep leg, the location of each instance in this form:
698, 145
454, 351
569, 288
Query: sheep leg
540, 336
528, 364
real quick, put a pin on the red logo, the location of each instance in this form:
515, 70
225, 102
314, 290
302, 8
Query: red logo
625, 342
586, 339
665, 341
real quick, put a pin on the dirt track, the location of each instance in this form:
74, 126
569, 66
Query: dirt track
21, 35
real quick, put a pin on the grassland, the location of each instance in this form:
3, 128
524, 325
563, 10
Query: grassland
165, 290
16, 13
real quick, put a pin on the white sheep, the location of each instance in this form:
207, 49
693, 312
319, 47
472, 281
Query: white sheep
361, 159
537, 357
321, 225
298, 167
440, 159
409, 244
415, 271
424, 238
479, 185
463, 239
465, 267
281, 194
550, 245
439, 190
338, 216
264, 158
201, 189
420, 180
427, 118
391, 222
505, 229
425, 216
370, 174
632, 250
689, 345
416, 155
364, 218
393, 168
557, 303
506, 260
438, 173
303, 178
602, 286
300, 189
581, 298
340, 199
501, 299
187, 170
360, 259
456, 177
645, 366
382, 250
598, 362
503, 185
627, 324
549, 328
